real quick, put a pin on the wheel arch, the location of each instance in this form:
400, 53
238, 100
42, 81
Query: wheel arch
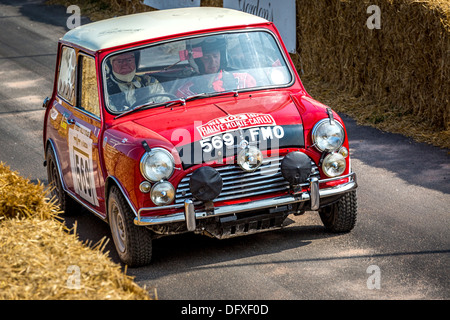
51, 147
109, 183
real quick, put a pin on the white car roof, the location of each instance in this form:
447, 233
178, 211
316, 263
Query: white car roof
148, 25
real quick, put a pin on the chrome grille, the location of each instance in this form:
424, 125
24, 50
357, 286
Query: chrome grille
239, 184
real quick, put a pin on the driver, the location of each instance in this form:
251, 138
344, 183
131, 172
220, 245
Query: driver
126, 89
214, 76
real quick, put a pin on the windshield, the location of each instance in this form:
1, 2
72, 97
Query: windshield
193, 67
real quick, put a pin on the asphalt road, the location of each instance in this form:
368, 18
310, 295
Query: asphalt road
401, 241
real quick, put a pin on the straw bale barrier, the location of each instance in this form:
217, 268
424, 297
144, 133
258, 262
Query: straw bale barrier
41, 259
400, 71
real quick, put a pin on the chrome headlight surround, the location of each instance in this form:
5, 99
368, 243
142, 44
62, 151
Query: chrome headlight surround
328, 136
157, 164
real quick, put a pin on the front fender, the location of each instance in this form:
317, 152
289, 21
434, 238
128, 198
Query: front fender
113, 181
122, 153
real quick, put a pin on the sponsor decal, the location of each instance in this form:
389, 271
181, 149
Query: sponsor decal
235, 122
53, 114
64, 118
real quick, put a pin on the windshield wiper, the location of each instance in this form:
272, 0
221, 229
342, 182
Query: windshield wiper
151, 104
180, 100
212, 94
222, 93
200, 96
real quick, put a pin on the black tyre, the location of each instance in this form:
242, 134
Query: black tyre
133, 243
66, 203
340, 217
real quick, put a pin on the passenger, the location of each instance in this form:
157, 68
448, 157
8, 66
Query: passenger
212, 67
126, 89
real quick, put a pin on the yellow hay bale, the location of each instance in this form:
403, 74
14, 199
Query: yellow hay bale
20, 199
403, 66
41, 259
368, 112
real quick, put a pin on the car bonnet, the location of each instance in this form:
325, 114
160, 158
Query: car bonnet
208, 129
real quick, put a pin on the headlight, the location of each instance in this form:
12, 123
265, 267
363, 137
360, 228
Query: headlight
328, 137
250, 159
156, 165
334, 165
162, 193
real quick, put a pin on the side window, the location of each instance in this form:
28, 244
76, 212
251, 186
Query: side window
88, 92
67, 75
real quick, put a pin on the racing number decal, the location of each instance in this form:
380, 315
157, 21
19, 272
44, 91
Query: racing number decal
82, 173
217, 142
80, 149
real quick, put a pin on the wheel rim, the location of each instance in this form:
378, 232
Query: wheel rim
118, 227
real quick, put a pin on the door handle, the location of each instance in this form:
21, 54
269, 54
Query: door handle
71, 121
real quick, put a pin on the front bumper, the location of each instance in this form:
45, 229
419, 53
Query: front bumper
190, 215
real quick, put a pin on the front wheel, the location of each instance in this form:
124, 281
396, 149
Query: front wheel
133, 243
340, 217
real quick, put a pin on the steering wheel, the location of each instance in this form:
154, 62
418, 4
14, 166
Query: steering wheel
150, 99
156, 95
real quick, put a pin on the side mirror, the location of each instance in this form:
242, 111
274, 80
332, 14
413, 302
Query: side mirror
45, 103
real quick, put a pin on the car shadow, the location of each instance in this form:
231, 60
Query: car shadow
416, 163
199, 252
196, 251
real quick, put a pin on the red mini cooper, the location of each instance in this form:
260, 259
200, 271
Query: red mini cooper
191, 120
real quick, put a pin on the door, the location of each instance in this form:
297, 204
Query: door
76, 116
83, 132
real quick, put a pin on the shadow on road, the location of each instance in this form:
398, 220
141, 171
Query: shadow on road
187, 252
199, 251
416, 163
40, 12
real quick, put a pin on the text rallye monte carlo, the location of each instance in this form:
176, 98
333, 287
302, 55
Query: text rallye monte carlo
191, 120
